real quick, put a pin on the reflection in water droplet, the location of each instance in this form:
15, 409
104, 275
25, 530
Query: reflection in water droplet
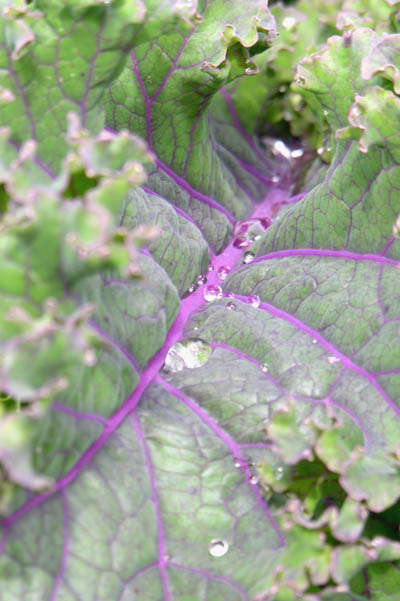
248, 256
237, 463
326, 112
264, 367
280, 148
314, 341
196, 328
231, 306
241, 243
202, 279
223, 272
210, 267
189, 353
279, 473
254, 479
253, 300
192, 288
228, 295
218, 547
212, 293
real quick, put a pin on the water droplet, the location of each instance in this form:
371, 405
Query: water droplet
231, 306
253, 300
251, 71
212, 293
210, 267
326, 112
89, 357
264, 367
237, 463
190, 353
282, 89
192, 288
248, 257
314, 341
279, 473
196, 328
218, 547
254, 479
223, 272
202, 279
275, 179
333, 359
280, 147
298, 152
228, 295
288, 22
241, 243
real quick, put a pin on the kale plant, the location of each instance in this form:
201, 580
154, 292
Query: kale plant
199, 300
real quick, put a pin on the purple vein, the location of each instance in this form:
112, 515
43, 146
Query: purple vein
321, 252
195, 193
210, 576
234, 448
177, 179
115, 343
346, 362
162, 562
240, 129
136, 575
177, 209
77, 414
242, 355
190, 305
65, 550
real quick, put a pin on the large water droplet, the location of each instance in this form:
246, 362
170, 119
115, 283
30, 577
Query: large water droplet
189, 353
231, 306
202, 279
223, 272
212, 293
218, 547
241, 243
248, 256
253, 300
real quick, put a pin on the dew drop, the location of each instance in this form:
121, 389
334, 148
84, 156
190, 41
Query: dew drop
237, 463
326, 112
192, 288
264, 367
254, 479
210, 268
279, 473
228, 295
212, 293
253, 301
314, 341
333, 359
248, 257
297, 153
223, 272
288, 22
231, 306
241, 243
189, 353
218, 547
202, 279
275, 179
280, 148
89, 357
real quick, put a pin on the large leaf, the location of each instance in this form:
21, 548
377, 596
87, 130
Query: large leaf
152, 457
